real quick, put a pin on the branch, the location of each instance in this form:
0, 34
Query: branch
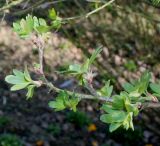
100, 8
91, 90
78, 95
14, 3
94, 95
90, 13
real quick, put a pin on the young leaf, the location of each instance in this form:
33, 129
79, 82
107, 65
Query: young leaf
106, 118
94, 55
75, 68
30, 91
85, 66
57, 23
19, 86
27, 75
18, 73
107, 108
73, 104
114, 126
31, 24
59, 103
118, 102
52, 14
155, 88
116, 116
14, 79
138, 86
128, 87
21, 80
106, 90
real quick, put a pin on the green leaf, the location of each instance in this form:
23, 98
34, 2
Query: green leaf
128, 122
144, 81
63, 101
138, 86
155, 2
31, 24
134, 94
107, 108
42, 22
94, 55
131, 108
84, 68
130, 65
131, 120
106, 118
118, 102
75, 68
128, 87
27, 75
14, 79
30, 91
155, 88
57, 105
21, 80
18, 73
19, 86
106, 90
73, 104
117, 116
57, 23
42, 29
52, 14
114, 126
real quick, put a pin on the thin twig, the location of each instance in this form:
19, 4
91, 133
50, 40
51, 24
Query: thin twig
89, 13
8, 6
78, 95
100, 8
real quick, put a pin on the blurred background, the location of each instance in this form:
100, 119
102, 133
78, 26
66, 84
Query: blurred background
129, 32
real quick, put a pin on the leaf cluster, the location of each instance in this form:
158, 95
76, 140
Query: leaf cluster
56, 20
106, 90
63, 101
80, 71
120, 113
31, 24
21, 80
126, 105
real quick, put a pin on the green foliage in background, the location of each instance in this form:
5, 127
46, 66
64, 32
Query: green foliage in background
80, 119
54, 129
130, 65
155, 2
10, 140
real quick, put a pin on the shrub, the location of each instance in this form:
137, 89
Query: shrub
118, 109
